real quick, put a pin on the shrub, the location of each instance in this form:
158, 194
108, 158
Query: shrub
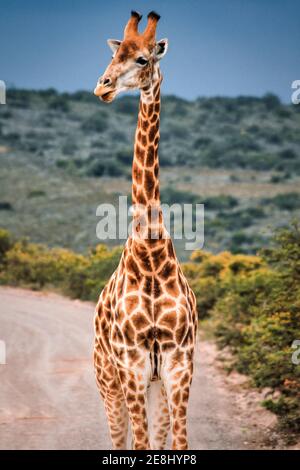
84, 96
60, 103
19, 98
62, 163
252, 302
5, 243
254, 306
126, 105
170, 195
104, 167
12, 138
87, 280
222, 132
36, 193
96, 169
287, 201
117, 136
271, 101
202, 142
177, 130
220, 202
125, 155
69, 148
6, 206
275, 179
96, 123
37, 266
288, 154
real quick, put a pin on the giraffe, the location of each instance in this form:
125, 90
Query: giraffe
145, 320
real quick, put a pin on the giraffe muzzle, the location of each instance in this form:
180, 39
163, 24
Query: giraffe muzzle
105, 93
105, 89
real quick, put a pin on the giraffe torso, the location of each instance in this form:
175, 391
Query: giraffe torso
146, 307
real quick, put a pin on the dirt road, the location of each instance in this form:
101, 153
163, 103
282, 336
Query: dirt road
48, 397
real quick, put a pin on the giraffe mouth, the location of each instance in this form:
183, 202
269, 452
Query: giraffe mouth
107, 97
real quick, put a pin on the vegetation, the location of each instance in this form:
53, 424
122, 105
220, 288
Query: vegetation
288, 201
36, 266
64, 154
252, 304
245, 132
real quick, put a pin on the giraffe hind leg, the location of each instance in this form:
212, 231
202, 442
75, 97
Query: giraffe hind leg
110, 388
117, 416
158, 415
177, 380
134, 383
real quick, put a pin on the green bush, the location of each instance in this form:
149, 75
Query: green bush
5, 243
96, 123
254, 307
69, 147
100, 166
125, 155
288, 154
87, 280
244, 132
84, 96
6, 206
60, 103
62, 163
220, 202
252, 302
171, 195
271, 101
126, 105
286, 201
19, 98
36, 266
36, 193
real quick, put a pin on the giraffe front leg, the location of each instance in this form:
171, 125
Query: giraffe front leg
177, 379
134, 384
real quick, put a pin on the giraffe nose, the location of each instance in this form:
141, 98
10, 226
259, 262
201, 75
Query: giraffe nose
105, 81
104, 87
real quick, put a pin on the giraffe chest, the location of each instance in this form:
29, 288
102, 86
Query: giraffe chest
149, 300
149, 311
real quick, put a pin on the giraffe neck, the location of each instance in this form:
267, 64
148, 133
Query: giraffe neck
145, 168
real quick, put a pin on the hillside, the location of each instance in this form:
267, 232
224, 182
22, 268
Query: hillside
63, 154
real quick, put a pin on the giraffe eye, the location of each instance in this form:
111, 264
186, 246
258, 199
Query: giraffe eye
141, 61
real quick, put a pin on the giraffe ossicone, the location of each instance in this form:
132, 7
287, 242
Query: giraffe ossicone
146, 318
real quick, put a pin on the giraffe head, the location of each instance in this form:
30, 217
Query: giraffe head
135, 60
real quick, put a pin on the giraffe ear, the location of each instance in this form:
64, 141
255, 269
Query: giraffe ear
114, 44
161, 48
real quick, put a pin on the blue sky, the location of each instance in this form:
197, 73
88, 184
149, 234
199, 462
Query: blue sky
217, 47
